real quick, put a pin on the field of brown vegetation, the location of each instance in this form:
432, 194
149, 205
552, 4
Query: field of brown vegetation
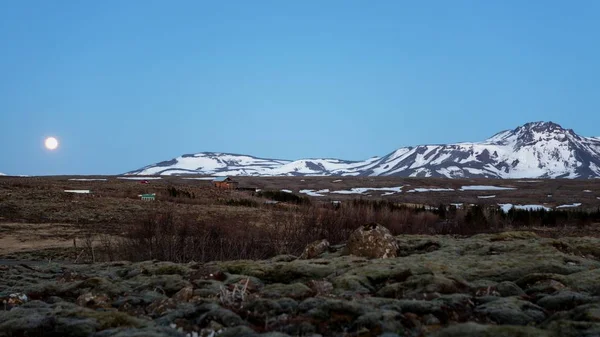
191, 220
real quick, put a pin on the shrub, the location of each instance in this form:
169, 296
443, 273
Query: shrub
282, 196
241, 202
163, 236
177, 193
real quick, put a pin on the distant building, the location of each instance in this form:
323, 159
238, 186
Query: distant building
148, 197
225, 183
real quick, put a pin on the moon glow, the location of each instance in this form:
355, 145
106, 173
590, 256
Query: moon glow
51, 143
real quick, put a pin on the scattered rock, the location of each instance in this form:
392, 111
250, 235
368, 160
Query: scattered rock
567, 328
184, 294
480, 330
564, 300
320, 287
313, 250
511, 310
90, 300
507, 288
13, 300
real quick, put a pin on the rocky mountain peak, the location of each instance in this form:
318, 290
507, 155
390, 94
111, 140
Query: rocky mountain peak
542, 126
535, 132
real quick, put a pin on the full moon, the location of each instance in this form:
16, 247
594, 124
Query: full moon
51, 143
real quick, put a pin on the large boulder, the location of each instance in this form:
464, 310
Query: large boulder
372, 241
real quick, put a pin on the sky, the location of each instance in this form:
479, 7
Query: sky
124, 84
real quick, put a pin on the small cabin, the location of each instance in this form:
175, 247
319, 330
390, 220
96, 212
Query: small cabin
148, 197
225, 183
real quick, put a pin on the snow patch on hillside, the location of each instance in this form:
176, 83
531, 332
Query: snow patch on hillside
139, 178
507, 207
420, 189
362, 190
88, 179
78, 191
314, 193
577, 204
485, 188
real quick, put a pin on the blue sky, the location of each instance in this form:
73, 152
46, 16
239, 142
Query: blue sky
123, 84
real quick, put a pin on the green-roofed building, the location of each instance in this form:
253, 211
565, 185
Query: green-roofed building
148, 197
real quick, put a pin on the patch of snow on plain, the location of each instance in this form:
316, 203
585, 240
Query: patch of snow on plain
337, 181
90, 179
529, 181
486, 196
431, 190
577, 204
78, 191
287, 191
388, 193
314, 193
361, 190
507, 207
587, 191
549, 195
485, 188
457, 205
139, 178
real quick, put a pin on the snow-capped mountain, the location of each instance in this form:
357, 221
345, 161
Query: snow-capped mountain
533, 150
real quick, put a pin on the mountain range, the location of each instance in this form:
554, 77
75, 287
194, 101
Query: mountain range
533, 150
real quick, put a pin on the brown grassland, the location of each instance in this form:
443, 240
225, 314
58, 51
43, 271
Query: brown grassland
191, 220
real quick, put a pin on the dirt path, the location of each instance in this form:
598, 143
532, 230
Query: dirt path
20, 237
22, 262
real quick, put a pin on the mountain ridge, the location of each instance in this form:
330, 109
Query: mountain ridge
533, 150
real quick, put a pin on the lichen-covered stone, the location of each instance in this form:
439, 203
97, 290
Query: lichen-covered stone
315, 249
372, 241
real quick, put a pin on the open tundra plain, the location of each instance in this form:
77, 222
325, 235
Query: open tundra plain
299, 256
